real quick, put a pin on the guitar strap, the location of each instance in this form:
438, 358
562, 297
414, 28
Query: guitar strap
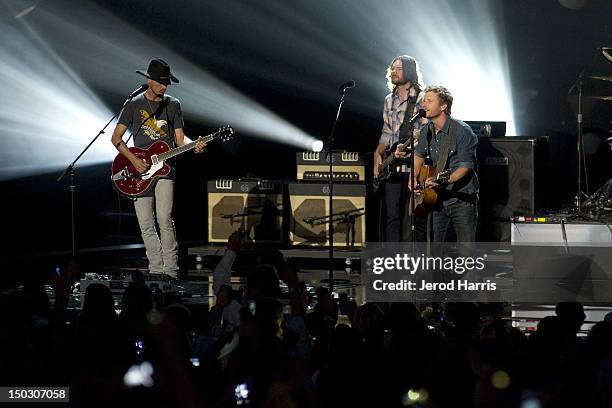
448, 140
406, 128
444, 152
171, 129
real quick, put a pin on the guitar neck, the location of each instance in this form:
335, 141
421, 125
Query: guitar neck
391, 158
388, 161
185, 148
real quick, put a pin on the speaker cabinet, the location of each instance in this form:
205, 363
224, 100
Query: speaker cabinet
256, 206
308, 222
512, 172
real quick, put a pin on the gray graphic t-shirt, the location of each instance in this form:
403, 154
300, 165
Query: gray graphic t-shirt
152, 121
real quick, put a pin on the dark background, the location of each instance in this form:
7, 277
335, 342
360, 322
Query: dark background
548, 46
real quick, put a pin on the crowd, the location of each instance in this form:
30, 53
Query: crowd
261, 346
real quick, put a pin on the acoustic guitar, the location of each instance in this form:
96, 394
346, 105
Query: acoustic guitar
427, 197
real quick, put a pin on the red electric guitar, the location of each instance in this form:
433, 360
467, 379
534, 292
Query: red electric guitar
130, 183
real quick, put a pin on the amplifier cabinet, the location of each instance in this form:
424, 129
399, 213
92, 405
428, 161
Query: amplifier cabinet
255, 206
309, 217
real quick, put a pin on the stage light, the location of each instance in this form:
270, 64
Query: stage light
317, 146
120, 50
49, 114
461, 49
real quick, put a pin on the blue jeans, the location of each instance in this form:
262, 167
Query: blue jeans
460, 217
456, 221
396, 218
395, 204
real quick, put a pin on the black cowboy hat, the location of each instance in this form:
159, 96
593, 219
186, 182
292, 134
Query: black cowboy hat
159, 71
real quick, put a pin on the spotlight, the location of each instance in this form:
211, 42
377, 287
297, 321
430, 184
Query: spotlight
473, 64
49, 106
317, 146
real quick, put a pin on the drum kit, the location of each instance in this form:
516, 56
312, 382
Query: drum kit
599, 204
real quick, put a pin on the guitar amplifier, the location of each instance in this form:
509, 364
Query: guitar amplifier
309, 217
256, 206
511, 172
314, 166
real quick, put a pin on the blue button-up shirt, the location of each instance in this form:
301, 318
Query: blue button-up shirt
462, 153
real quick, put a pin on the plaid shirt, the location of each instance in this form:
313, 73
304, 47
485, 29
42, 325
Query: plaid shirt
393, 116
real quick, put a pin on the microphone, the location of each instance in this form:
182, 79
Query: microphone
420, 114
139, 90
346, 85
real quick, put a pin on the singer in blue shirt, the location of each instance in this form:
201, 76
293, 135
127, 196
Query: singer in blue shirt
457, 206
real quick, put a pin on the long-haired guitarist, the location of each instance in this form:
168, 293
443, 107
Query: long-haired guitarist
449, 144
154, 116
405, 81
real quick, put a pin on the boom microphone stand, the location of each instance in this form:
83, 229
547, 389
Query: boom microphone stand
330, 144
70, 168
578, 86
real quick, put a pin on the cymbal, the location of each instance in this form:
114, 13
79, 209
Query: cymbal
601, 77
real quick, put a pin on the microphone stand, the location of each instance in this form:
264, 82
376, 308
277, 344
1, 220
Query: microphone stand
330, 145
70, 169
578, 85
579, 143
412, 200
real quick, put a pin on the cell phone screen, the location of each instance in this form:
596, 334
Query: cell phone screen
241, 393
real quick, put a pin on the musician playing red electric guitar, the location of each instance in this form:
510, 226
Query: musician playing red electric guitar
152, 117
